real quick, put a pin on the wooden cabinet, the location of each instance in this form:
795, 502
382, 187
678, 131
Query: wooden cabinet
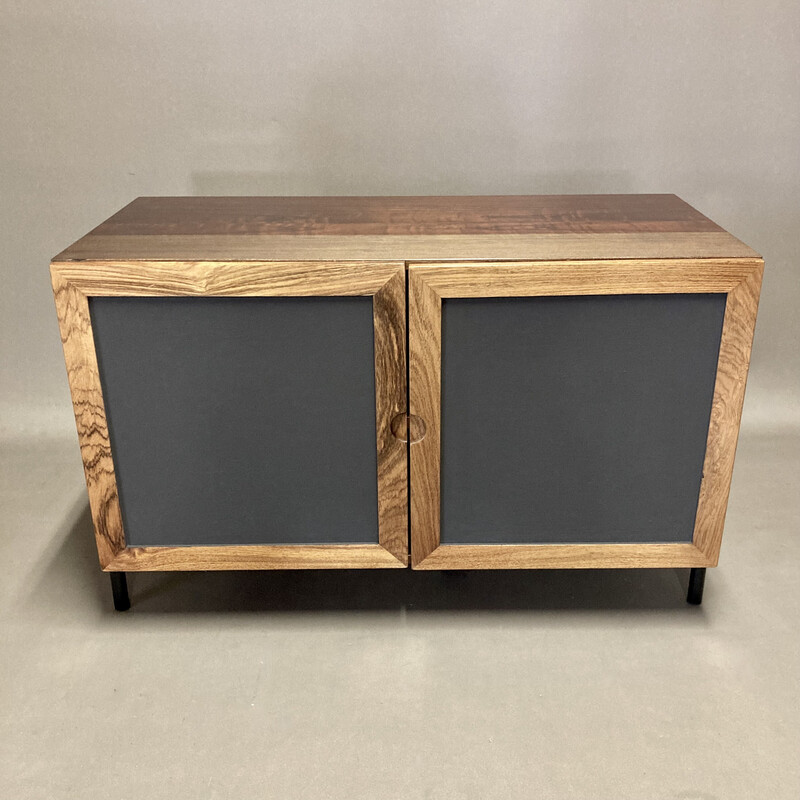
450, 383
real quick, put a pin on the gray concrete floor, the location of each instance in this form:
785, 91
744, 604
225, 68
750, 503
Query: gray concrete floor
393, 684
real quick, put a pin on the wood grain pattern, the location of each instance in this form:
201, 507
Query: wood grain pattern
563, 556
75, 324
460, 215
389, 311
425, 370
428, 284
536, 279
535, 227
441, 247
726, 412
74, 282
340, 556
225, 279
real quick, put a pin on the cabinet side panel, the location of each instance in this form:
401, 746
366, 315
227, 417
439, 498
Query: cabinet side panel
90, 416
734, 361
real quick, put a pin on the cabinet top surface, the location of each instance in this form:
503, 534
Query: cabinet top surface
528, 227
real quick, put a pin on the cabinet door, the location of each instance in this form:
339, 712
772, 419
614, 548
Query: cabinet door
576, 414
237, 416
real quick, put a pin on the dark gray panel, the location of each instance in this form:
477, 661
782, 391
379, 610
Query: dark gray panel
576, 419
241, 420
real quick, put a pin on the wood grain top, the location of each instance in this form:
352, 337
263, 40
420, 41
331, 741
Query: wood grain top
405, 216
406, 228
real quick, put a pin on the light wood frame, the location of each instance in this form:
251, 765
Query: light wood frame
739, 279
75, 281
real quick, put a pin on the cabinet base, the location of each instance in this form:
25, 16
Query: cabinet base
697, 580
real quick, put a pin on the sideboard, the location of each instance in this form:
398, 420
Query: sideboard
445, 383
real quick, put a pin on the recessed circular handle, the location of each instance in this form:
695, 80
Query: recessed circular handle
408, 428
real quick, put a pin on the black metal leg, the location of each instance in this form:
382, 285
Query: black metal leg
697, 580
119, 587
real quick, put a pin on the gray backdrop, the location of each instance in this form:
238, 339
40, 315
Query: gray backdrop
102, 102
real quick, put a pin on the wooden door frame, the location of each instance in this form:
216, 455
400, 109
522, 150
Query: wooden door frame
429, 283
74, 282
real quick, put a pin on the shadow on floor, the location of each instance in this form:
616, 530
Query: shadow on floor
74, 569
